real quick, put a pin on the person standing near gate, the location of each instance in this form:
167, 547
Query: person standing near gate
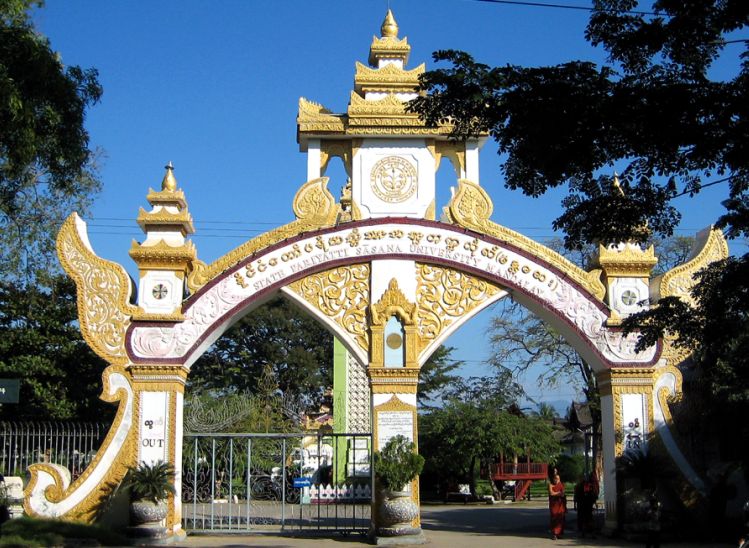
586, 494
557, 506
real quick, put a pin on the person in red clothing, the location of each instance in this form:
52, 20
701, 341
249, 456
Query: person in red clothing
557, 506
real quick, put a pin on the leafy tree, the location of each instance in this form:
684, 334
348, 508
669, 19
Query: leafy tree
659, 112
263, 411
545, 411
435, 376
46, 170
297, 348
480, 421
655, 109
40, 343
46, 166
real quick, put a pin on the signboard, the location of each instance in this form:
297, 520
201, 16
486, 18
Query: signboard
394, 423
9, 390
154, 410
302, 482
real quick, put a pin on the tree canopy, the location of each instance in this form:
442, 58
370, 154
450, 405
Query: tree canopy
41, 344
435, 376
47, 168
656, 112
654, 108
479, 422
296, 347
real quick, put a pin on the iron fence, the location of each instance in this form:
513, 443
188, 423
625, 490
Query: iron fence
277, 483
69, 444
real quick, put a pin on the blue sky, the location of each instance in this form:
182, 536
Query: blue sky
214, 86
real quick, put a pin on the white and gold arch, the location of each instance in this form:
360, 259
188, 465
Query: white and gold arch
377, 270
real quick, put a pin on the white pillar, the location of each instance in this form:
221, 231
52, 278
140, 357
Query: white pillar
313, 159
609, 460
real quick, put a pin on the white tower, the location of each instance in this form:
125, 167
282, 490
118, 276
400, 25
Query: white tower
390, 155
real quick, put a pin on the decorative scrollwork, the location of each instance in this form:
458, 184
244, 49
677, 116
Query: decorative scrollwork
709, 246
445, 295
104, 290
342, 294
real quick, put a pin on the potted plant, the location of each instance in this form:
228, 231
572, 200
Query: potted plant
396, 465
150, 485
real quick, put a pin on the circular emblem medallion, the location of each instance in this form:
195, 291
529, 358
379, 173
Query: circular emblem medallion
393, 179
394, 341
629, 297
160, 291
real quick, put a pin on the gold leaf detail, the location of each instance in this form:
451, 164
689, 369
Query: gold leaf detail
104, 290
709, 246
314, 207
342, 294
393, 302
444, 295
126, 456
314, 204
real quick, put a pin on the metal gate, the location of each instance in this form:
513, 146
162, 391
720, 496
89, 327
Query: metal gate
240, 483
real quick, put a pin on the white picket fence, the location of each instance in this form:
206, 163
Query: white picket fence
338, 494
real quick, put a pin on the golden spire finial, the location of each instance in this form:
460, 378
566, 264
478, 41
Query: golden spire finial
389, 27
617, 185
169, 183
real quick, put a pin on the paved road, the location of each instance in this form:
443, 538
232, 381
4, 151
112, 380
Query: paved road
520, 525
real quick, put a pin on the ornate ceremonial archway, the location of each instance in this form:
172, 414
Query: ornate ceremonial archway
378, 270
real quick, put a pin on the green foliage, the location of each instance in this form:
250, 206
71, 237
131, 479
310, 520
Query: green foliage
26, 531
658, 110
717, 328
46, 166
298, 350
152, 482
435, 375
41, 344
462, 435
571, 467
397, 464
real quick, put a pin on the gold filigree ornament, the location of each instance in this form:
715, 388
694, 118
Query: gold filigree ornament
444, 295
709, 246
342, 294
471, 208
314, 207
393, 303
387, 78
104, 291
315, 117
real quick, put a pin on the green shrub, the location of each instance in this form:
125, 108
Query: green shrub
397, 464
151, 481
483, 488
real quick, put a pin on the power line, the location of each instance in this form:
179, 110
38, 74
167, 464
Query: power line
567, 7
711, 183
133, 227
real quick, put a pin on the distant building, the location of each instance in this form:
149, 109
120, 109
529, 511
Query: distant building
578, 430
